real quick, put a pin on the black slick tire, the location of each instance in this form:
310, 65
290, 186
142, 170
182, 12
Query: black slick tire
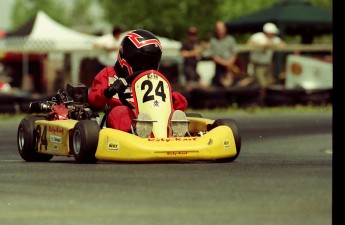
27, 138
84, 141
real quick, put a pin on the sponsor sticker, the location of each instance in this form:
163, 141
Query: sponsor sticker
55, 130
152, 76
55, 139
176, 153
172, 139
113, 146
226, 143
155, 104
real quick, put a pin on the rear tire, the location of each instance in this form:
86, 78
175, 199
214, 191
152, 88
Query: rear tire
234, 127
84, 141
26, 140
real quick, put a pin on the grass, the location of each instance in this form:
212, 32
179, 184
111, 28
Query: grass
250, 110
273, 110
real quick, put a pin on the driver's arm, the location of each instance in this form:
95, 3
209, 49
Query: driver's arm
96, 96
179, 101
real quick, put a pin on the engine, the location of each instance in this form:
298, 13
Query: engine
71, 103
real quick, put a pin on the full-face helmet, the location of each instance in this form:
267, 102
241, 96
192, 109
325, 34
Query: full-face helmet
140, 50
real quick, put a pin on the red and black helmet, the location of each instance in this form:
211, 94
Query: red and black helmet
140, 50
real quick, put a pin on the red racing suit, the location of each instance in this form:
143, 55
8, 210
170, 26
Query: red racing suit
120, 116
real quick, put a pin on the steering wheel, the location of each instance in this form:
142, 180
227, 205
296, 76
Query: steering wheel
122, 96
124, 101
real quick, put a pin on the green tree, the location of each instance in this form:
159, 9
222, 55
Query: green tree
169, 18
23, 10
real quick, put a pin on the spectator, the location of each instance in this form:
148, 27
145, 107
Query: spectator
4, 86
4, 80
261, 59
191, 53
110, 44
140, 51
224, 55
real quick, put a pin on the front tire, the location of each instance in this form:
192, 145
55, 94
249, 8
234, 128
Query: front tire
27, 138
234, 127
84, 141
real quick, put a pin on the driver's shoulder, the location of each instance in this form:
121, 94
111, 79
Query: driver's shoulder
110, 71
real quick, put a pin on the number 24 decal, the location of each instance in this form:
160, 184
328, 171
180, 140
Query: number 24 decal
41, 136
159, 90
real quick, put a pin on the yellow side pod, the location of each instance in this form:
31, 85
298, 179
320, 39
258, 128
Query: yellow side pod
116, 145
53, 136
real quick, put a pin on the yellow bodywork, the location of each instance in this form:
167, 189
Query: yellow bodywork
152, 98
53, 136
116, 145
218, 143
158, 110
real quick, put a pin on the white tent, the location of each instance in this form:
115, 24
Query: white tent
171, 48
45, 36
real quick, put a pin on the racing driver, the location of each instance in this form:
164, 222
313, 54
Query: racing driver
140, 50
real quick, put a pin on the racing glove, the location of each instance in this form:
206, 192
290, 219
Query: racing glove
118, 86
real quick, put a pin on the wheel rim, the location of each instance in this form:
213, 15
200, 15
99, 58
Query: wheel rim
76, 142
21, 139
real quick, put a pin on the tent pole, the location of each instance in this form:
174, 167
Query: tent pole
25, 71
75, 60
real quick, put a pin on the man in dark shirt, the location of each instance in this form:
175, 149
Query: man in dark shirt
191, 53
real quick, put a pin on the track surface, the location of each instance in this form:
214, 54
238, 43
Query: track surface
282, 176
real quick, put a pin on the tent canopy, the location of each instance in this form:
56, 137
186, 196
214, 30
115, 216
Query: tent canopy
43, 34
293, 17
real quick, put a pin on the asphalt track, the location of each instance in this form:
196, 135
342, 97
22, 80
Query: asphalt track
283, 176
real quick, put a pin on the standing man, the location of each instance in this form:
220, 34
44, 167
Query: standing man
261, 59
110, 43
224, 55
191, 53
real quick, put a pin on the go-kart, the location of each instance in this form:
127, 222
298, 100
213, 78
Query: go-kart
69, 127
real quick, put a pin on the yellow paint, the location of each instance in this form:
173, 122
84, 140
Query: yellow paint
57, 135
216, 144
